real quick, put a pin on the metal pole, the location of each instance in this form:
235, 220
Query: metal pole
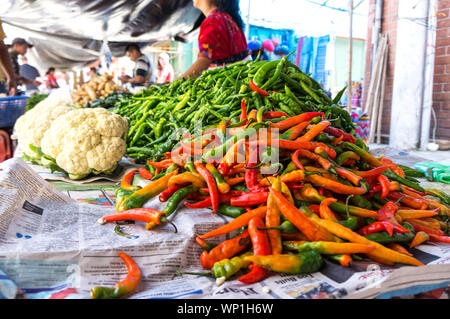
350, 58
247, 24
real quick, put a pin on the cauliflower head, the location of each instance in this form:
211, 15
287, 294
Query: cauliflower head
85, 141
31, 126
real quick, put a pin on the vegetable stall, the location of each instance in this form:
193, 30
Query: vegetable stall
258, 143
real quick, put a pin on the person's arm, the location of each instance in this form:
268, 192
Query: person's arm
8, 69
24, 80
138, 79
197, 68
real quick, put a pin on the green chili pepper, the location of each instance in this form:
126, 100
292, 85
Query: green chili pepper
310, 91
350, 222
361, 201
159, 127
285, 227
338, 96
228, 267
383, 237
262, 71
404, 181
231, 211
176, 199
119, 232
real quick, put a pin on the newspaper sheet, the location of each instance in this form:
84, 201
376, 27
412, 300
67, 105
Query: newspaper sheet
51, 246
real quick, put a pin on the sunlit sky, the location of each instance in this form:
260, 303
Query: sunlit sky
308, 17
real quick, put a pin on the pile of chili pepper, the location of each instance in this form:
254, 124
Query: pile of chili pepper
324, 197
157, 114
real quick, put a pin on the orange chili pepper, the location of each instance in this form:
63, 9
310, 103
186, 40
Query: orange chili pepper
397, 170
236, 223
226, 249
300, 219
336, 187
325, 212
314, 131
234, 180
337, 140
272, 219
123, 287
287, 123
145, 173
127, 180
150, 216
420, 238
384, 182
399, 248
352, 177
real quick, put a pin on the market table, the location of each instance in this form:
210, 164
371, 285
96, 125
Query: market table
52, 247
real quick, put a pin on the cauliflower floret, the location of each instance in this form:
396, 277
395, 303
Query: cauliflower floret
31, 126
86, 140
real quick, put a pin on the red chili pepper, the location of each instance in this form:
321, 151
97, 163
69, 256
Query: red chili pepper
150, 216
249, 199
261, 247
338, 133
437, 238
223, 199
320, 190
251, 174
430, 231
387, 213
377, 227
145, 173
384, 183
257, 89
243, 110
165, 195
315, 209
294, 158
273, 115
294, 186
211, 182
162, 164
408, 200
373, 172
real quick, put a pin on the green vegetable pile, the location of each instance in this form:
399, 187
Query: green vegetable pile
33, 100
157, 112
115, 99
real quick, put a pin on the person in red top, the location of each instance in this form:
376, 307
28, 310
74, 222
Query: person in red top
51, 82
221, 40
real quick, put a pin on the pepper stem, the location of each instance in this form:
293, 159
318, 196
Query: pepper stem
398, 200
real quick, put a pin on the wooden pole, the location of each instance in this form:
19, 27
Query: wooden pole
383, 84
350, 58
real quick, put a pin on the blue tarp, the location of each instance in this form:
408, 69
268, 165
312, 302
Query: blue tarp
313, 56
